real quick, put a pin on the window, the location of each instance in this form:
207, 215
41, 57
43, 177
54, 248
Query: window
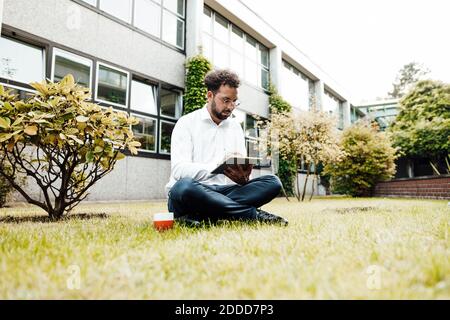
171, 104
143, 97
165, 137
176, 6
145, 133
221, 29
147, 16
65, 63
118, 8
333, 106
164, 19
207, 20
230, 47
295, 87
221, 54
112, 85
251, 125
21, 62
173, 29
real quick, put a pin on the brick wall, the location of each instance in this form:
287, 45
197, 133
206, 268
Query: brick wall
425, 187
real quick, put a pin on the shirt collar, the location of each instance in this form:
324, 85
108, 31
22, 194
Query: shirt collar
205, 113
206, 116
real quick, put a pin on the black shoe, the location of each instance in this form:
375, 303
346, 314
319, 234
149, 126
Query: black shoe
188, 221
195, 221
266, 217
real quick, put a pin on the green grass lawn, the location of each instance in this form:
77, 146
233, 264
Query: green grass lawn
333, 248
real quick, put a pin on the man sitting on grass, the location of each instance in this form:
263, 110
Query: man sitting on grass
200, 141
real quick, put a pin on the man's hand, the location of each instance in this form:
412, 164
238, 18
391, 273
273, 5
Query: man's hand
239, 173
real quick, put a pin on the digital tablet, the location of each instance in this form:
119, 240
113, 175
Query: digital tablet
235, 161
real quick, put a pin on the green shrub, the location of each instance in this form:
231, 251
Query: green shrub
369, 158
196, 69
62, 141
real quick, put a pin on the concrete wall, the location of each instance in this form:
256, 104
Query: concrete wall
132, 179
70, 24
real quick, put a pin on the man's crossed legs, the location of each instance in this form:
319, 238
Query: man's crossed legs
191, 199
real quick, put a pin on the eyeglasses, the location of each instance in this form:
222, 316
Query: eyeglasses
227, 101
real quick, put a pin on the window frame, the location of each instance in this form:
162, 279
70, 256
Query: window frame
55, 51
155, 119
44, 50
180, 96
161, 121
127, 96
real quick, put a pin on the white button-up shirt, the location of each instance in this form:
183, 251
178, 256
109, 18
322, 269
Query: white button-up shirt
199, 145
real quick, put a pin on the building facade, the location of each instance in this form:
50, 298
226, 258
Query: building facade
131, 54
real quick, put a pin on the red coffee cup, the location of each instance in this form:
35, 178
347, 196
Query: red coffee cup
163, 221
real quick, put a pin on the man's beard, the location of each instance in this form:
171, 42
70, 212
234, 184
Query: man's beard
216, 113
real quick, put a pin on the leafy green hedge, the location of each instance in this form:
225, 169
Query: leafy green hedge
369, 158
196, 69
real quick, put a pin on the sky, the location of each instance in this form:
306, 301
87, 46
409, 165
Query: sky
362, 44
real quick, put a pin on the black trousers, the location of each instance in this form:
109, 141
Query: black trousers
214, 202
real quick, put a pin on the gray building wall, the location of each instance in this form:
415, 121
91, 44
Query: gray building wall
70, 24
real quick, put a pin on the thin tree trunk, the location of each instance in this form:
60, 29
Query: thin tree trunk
306, 182
284, 192
297, 179
313, 182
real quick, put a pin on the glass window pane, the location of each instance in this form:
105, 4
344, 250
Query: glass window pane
252, 148
143, 97
265, 79
147, 16
237, 39
145, 133
171, 104
207, 20
250, 48
264, 56
221, 53
118, 8
221, 29
166, 135
176, 6
67, 63
295, 88
251, 126
112, 85
251, 72
21, 62
237, 63
173, 29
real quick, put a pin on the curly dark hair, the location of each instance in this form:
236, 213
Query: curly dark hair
217, 78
